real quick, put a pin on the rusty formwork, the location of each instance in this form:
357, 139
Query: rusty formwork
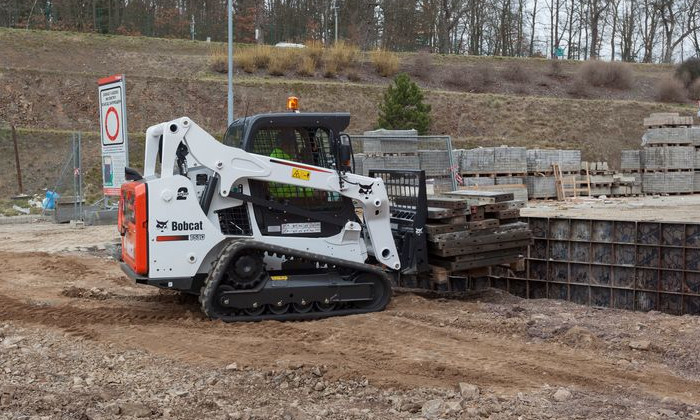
636, 265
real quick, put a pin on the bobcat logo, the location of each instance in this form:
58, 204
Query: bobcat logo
366, 189
161, 225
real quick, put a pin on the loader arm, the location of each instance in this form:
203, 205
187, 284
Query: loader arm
232, 164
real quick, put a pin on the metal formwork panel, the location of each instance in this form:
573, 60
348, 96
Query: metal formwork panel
613, 264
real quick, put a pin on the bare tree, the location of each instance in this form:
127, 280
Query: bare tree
672, 13
533, 22
649, 20
628, 31
556, 32
614, 15
596, 10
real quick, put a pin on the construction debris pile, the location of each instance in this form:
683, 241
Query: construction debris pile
669, 158
468, 232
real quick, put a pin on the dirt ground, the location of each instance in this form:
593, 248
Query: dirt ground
80, 340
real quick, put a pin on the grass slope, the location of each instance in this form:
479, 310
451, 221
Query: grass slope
48, 83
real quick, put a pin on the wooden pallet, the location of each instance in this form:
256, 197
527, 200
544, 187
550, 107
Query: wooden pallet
568, 186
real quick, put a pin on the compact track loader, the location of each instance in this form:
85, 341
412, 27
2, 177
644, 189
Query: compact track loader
271, 223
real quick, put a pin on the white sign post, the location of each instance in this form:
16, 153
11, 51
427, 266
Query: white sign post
115, 142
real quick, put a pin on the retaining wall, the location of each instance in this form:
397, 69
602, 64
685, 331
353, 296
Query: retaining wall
613, 264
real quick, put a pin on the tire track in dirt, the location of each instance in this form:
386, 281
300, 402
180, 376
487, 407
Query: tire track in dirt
402, 353
66, 316
411, 344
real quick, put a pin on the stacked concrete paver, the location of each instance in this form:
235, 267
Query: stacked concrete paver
669, 158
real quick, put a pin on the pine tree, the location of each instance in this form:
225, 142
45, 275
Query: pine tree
403, 107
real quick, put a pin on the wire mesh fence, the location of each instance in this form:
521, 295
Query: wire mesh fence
392, 150
40, 170
66, 193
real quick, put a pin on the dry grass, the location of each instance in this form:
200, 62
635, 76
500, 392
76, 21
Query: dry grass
354, 75
476, 79
688, 71
515, 72
671, 91
555, 69
344, 55
314, 50
613, 75
218, 59
385, 62
262, 55
253, 58
579, 88
694, 90
457, 78
422, 66
306, 66
330, 68
282, 60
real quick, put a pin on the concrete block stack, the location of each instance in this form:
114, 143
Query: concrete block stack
630, 161
541, 160
401, 149
625, 185
380, 142
493, 161
600, 177
541, 186
477, 161
496, 168
509, 160
540, 180
512, 168
667, 162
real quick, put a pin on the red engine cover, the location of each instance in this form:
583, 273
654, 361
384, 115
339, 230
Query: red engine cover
133, 225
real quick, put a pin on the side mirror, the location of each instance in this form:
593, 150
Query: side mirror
344, 153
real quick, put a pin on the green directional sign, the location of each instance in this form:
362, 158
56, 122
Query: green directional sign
559, 52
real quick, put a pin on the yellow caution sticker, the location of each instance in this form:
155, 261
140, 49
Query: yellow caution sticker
301, 174
278, 277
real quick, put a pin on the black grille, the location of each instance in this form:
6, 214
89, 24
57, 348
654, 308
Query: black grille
407, 195
234, 221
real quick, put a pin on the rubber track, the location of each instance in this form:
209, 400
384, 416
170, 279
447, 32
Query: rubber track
208, 291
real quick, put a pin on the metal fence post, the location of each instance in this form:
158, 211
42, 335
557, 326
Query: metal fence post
452, 162
17, 166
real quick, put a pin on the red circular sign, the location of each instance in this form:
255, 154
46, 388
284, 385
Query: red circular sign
110, 136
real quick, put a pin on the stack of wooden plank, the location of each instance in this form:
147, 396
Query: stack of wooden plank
469, 231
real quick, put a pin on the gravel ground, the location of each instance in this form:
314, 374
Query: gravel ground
78, 340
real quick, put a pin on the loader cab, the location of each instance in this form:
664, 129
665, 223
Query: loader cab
305, 138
